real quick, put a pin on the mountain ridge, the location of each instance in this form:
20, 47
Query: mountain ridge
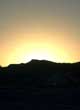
50, 73
40, 61
55, 85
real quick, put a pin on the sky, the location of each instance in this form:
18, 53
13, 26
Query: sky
39, 29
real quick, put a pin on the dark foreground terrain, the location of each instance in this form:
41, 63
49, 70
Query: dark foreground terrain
40, 85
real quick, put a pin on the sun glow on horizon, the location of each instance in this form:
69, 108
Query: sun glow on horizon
38, 45
24, 55
39, 55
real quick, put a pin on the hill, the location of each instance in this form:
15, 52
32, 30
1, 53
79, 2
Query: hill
40, 85
42, 74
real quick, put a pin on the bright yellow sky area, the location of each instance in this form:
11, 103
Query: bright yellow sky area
37, 44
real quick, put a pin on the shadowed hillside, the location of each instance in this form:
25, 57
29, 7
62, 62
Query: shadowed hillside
41, 74
45, 82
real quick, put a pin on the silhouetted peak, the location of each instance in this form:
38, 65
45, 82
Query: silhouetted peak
34, 60
40, 61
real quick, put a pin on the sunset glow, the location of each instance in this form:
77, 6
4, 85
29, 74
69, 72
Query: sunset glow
39, 29
23, 50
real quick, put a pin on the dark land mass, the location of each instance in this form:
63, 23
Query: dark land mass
40, 85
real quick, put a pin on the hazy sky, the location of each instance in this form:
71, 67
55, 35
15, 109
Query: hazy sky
41, 29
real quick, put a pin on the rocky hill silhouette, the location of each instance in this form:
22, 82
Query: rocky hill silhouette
38, 80
43, 73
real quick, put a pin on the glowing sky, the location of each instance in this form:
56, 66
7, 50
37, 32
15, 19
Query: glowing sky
40, 29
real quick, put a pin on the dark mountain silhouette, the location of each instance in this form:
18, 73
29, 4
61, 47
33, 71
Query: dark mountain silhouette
33, 82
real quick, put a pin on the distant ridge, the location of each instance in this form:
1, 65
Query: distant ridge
40, 61
43, 73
